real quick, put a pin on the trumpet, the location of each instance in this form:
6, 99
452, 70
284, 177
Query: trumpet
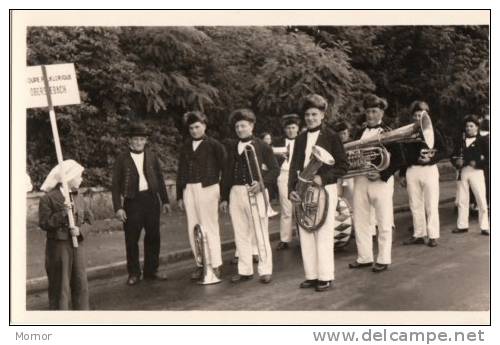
255, 209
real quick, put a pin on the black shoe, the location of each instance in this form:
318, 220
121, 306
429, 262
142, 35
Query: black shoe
196, 275
282, 245
459, 231
377, 268
485, 232
356, 264
155, 276
255, 259
309, 283
432, 242
240, 278
323, 285
265, 279
234, 261
133, 280
414, 240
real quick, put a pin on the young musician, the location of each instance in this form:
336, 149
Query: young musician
200, 166
317, 247
375, 190
290, 124
240, 187
470, 158
420, 176
65, 265
270, 187
139, 193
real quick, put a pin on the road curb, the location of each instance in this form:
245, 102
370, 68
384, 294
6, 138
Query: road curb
39, 284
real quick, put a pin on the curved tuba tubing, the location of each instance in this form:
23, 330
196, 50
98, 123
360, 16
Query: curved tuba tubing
255, 209
311, 212
369, 155
203, 257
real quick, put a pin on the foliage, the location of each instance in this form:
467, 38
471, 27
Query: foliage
155, 74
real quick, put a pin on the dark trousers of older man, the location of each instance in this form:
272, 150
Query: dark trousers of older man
143, 211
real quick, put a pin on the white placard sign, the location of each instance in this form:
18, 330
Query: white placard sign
62, 84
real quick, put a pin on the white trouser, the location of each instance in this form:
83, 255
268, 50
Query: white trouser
255, 251
348, 194
379, 195
317, 247
202, 207
422, 184
286, 218
473, 178
243, 220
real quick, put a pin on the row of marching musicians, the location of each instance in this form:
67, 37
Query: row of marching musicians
233, 179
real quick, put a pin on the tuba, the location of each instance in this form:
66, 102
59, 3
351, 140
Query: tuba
369, 155
311, 212
203, 257
255, 208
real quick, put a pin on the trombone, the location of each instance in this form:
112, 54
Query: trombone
255, 209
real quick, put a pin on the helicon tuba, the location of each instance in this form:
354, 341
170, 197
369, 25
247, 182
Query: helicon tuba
370, 155
202, 256
311, 212
255, 208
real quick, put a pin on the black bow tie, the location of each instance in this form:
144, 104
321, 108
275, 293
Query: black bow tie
373, 127
470, 136
246, 140
135, 151
198, 139
291, 139
315, 129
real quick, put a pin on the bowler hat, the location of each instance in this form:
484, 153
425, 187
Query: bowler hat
241, 114
290, 119
137, 130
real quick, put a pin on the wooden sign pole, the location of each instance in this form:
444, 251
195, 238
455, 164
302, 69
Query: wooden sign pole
57, 143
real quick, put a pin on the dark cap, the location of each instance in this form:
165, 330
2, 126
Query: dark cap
241, 114
137, 130
471, 118
314, 101
194, 116
290, 119
373, 101
419, 106
341, 126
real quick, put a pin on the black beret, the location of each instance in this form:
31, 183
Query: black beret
241, 114
194, 116
290, 119
314, 101
471, 118
373, 101
419, 106
137, 130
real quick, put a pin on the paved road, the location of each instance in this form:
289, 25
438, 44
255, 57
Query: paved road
453, 276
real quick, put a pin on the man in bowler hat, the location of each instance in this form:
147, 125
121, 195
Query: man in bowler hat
139, 193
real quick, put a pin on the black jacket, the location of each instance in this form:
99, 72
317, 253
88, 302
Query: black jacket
395, 150
265, 156
126, 178
411, 152
209, 158
328, 140
478, 151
